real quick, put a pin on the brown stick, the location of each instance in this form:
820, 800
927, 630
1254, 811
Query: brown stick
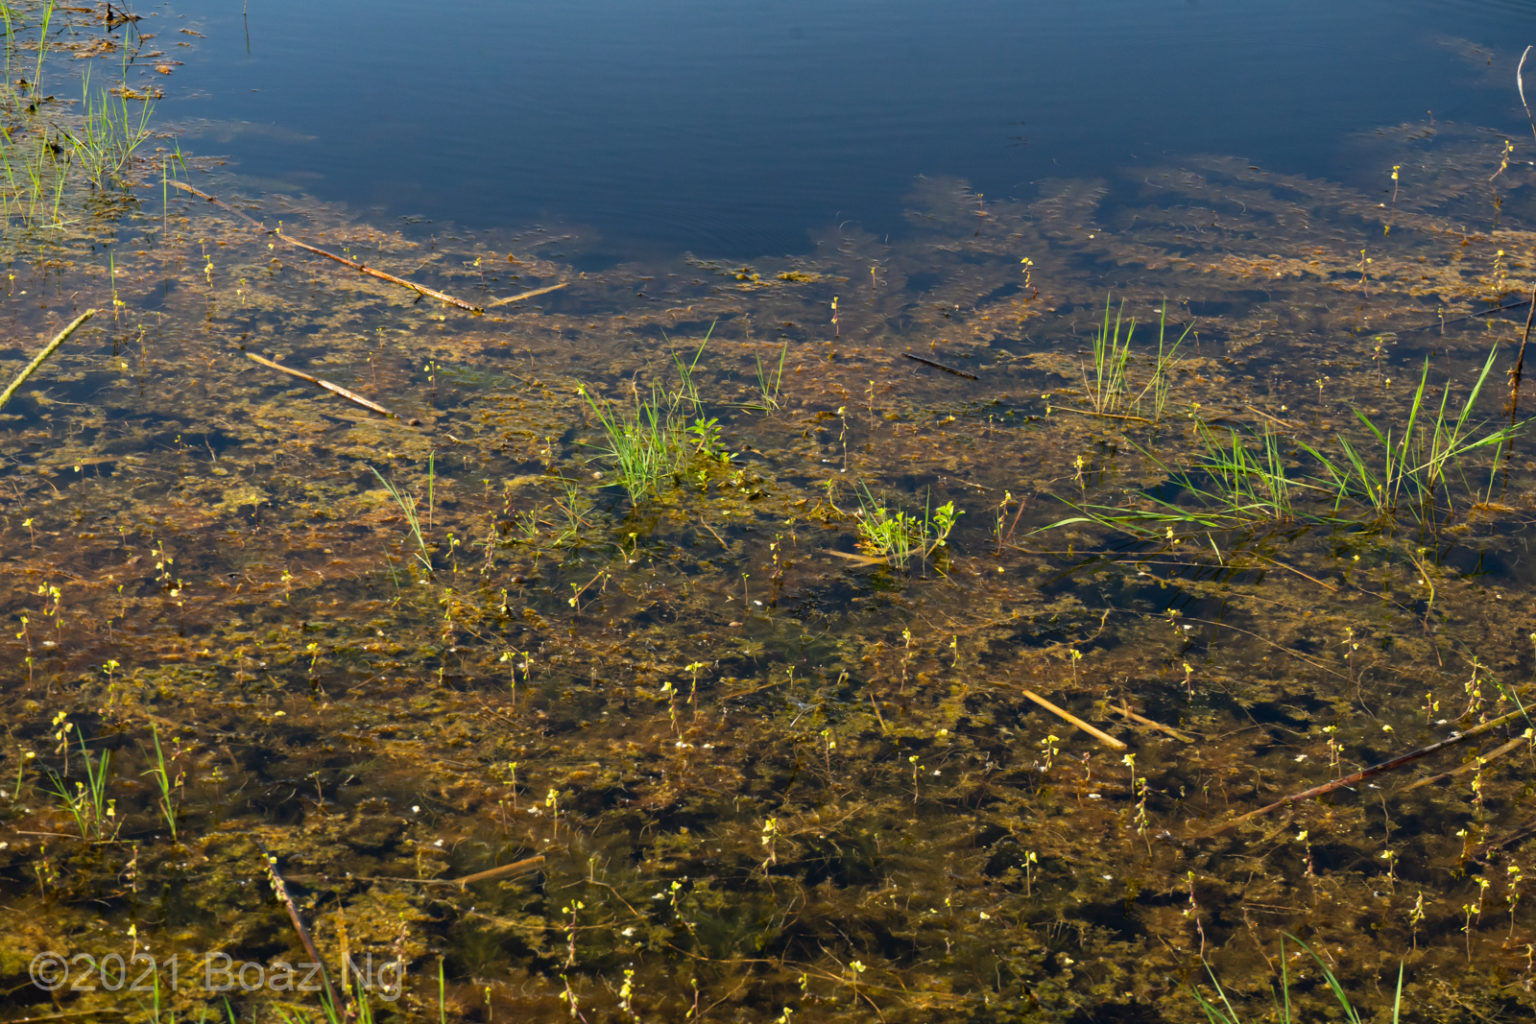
360, 268
1125, 710
940, 366
1478, 762
520, 296
351, 396
1375, 769
517, 867
1514, 375
1067, 716
281, 889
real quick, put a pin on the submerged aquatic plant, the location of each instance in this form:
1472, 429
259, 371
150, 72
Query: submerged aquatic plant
95, 815
31, 161
407, 505
42, 149
1420, 464
1105, 380
164, 783
769, 382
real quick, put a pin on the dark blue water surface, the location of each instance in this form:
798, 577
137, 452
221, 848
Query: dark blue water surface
734, 129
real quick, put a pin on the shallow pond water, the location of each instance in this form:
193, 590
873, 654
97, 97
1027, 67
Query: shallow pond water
758, 735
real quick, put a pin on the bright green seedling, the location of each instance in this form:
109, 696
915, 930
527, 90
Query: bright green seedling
769, 382
95, 815
110, 130
1420, 466
1421, 469
1107, 382
1105, 379
897, 537
164, 783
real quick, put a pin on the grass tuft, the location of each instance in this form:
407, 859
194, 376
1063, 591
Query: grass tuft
897, 537
1223, 1012
652, 443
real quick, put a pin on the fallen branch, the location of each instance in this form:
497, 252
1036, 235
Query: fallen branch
42, 357
360, 268
1067, 716
351, 396
1375, 769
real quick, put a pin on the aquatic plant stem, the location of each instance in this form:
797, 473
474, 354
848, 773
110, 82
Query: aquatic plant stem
42, 357
360, 268
530, 293
939, 366
1520, 85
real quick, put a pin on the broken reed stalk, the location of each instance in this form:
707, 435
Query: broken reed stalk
520, 296
1373, 770
1478, 762
940, 366
337, 389
517, 867
281, 889
42, 357
360, 268
1068, 717
1514, 376
1125, 710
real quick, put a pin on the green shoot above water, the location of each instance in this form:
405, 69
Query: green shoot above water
897, 537
1423, 469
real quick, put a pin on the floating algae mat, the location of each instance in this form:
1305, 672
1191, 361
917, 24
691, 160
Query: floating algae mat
891, 632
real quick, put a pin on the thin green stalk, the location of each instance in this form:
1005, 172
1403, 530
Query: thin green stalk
1110, 353
408, 509
163, 781
1226, 1013
88, 804
1161, 383
768, 385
